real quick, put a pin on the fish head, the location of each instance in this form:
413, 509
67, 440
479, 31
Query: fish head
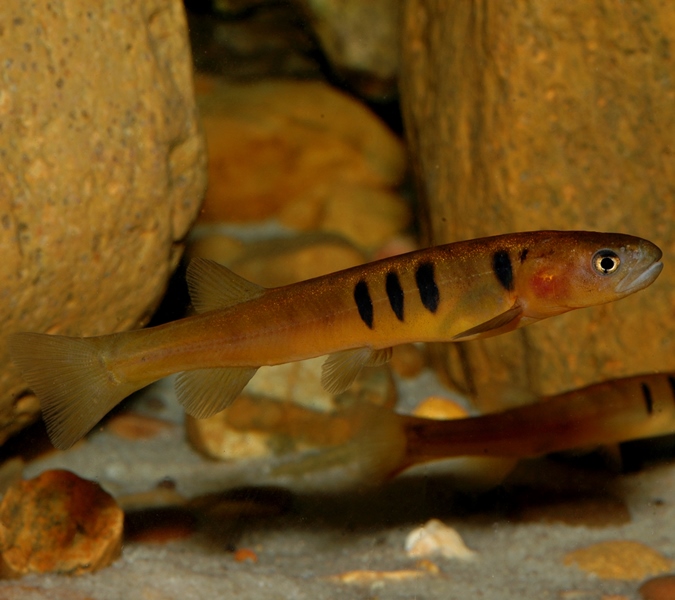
564, 271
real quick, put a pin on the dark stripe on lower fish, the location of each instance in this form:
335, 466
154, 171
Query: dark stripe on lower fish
426, 284
647, 393
671, 381
395, 294
501, 265
364, 302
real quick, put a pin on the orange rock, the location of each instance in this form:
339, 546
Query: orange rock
245, 554
436, 407
619, 559
59, 523
102, 174
658, 588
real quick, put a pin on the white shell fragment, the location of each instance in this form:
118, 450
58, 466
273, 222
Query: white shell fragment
435, 538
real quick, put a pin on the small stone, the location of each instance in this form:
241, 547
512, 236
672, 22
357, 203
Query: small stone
369, 577
58, 523
134, 426
619, 559
435, 407
436, 538
408, 360
245, 555
658, 588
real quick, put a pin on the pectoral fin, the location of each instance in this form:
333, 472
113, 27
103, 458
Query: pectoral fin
341, 369
500, 324
205, 392
213, 286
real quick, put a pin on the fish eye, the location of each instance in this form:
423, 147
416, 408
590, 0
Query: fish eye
606, 262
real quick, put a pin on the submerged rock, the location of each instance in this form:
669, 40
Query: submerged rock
58, 523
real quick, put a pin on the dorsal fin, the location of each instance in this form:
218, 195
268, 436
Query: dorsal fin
213, 286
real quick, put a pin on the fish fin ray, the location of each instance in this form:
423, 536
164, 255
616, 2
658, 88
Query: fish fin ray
213, 286
491, 327
379, 357
70, 377
205, 392
341, 368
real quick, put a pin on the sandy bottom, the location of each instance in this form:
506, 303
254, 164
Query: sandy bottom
520, 531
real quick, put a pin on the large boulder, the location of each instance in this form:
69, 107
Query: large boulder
548, 115
102, 169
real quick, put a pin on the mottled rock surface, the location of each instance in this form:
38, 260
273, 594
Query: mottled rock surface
102, 169
58, 523
554, 115
619, 559
305, 154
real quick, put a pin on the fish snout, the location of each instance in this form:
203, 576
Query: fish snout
644, 271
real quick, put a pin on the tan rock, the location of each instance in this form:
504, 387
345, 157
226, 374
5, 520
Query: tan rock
368, 216
135, 426
292, 148
436, 538
287, 410
58, 523
280, 261
619, 559
102, 170
556, 118
361, 40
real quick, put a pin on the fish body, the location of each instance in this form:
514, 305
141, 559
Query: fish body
460, 291
613, 411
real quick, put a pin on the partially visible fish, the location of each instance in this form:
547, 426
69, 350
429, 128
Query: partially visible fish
466, 290
380, 443
613, 411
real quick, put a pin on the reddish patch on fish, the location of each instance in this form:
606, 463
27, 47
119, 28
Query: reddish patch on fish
549, 285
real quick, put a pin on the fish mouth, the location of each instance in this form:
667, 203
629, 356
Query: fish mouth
628, 285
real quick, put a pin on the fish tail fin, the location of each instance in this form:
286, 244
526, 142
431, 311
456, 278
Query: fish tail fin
71, 378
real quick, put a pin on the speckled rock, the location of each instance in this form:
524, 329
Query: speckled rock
305, 154
59, 523
102, 169
548, 116
619, 559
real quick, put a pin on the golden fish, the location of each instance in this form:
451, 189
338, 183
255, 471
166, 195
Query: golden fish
458, 291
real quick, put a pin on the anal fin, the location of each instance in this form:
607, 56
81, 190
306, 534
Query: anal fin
213, 286
500, 324
341, 368
205, 392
